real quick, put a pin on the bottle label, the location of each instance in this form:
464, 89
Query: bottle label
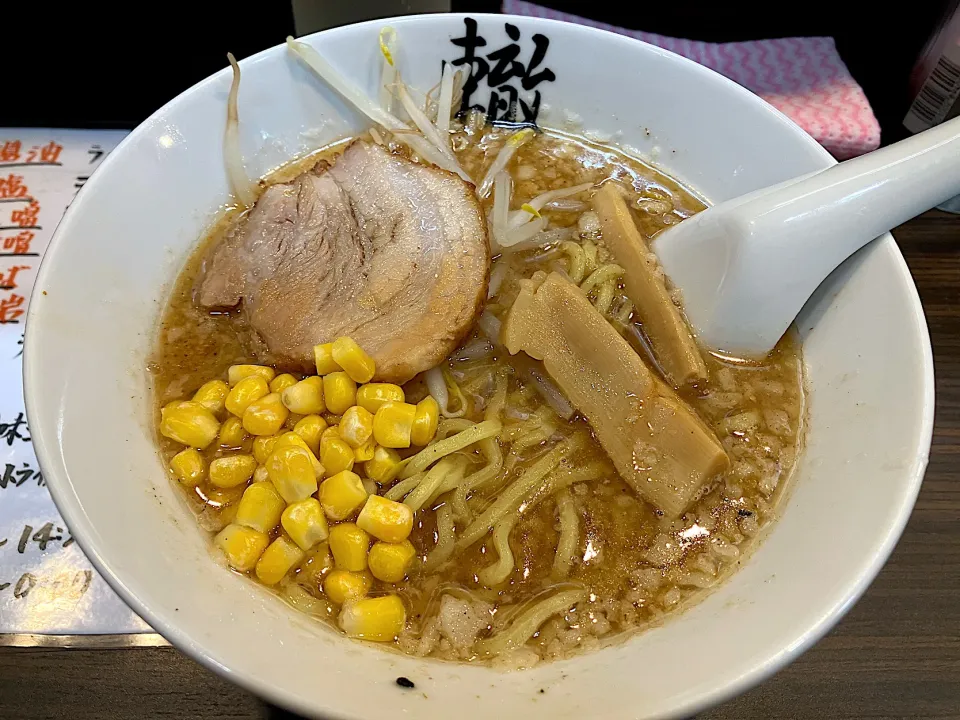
938, 95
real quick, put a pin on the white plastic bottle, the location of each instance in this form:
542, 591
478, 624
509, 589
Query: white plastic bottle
935, 82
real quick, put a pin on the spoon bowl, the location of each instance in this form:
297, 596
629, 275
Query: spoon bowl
746, 267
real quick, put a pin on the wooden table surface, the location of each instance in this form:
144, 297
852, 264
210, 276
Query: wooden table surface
895, 655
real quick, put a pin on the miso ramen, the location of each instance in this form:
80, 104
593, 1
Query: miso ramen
466, 419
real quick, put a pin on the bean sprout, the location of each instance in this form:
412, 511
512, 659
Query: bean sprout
419, 144
445, 106
242, 187
513, 143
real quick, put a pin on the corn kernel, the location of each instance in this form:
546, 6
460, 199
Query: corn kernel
425, 421
260, 507
188, 466
356, 426
385, 519
336, 456
374, 618
342, 495
311, 428
373, 395
349, 545
190, 424
393, 423
384, 466
236, 373
342, 586
277, 559
175, 405
263, 446
332, 432
292, 473
282, 382
365, 451
331, 419
339, 392
232, 470
291, 439
389, 561
232, 433
260, 474
305, 523
351, 357
306, 397
265, 416
323, 355
246, 391
242, 546
225, 503
212, 395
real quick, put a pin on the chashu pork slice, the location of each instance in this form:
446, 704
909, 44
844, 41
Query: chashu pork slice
375, 247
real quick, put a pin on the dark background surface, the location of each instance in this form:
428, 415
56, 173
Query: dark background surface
80, 66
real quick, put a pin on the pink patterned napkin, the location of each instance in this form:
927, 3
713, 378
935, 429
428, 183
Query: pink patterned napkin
804, 78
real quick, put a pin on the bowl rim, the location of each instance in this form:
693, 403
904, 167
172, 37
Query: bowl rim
760, 668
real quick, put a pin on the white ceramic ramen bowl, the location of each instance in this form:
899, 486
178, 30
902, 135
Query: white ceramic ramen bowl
107, 273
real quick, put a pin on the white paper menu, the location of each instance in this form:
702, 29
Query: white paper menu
47, 586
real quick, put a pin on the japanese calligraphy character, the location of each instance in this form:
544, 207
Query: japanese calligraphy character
503, 108
509, 67
10, 431
12, 187
19, 243
96, 152
11, 308
49, 154
498, 68
19, 352
8, 280
27, 216
10, 151
15, 477
477, 66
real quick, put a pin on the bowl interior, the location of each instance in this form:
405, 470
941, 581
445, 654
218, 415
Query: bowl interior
107, 273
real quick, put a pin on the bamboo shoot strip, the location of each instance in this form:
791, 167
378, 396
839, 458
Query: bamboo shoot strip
643, 281
657, 443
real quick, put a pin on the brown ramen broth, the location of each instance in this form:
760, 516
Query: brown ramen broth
633, 564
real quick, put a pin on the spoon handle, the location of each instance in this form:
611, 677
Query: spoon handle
746, 267
871, 194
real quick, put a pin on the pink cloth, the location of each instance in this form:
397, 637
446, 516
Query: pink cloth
804, 78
